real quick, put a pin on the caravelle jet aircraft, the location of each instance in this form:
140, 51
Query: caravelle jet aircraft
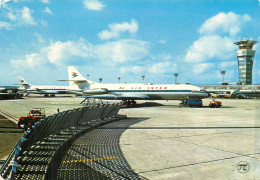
8, 89
46, 90
9, 92
131, 92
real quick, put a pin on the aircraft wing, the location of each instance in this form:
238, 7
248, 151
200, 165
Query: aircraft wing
50, 91
120, 97
72, 80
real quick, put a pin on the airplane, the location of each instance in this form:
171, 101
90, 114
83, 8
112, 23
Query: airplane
8, 89
46, 90
9, 92
128, 93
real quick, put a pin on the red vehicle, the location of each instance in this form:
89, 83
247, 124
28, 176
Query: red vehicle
32, 117
215, 104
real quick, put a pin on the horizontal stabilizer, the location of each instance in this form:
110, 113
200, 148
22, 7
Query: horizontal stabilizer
72, 80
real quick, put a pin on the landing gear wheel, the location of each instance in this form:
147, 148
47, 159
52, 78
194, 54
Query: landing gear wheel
129, 103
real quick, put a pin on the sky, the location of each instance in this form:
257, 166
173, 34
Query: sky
108, 39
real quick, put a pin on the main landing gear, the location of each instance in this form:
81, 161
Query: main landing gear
129, 103
51, 95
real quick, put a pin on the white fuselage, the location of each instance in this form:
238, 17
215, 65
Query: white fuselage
46, 89
155, 92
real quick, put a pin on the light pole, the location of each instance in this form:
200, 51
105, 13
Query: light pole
223, 72
176, 75
100, 80
143, 77
119, 79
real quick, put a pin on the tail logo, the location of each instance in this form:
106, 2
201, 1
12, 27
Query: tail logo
74, 74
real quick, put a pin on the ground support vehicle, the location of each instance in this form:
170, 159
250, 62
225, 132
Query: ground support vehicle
191, 103
32, 117
215, 104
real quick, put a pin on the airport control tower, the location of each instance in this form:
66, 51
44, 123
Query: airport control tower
245, 59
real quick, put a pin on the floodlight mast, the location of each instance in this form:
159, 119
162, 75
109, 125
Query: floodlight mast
143, 77
223, 72
176, 75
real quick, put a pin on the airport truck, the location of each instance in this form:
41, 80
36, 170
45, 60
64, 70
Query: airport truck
32, 117
191, 103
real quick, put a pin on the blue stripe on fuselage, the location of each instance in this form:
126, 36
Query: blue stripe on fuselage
113, 91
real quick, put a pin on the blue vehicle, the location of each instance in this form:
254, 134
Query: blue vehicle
191, 103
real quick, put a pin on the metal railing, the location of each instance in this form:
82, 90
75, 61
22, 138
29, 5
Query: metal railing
53, 132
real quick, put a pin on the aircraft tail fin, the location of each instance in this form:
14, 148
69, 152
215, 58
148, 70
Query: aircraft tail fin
77, 80
25, 84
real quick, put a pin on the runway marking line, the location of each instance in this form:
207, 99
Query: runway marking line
216, 167
90, 160
220, 166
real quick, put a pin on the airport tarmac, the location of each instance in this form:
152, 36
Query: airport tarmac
194, 143
169, 142
21, 107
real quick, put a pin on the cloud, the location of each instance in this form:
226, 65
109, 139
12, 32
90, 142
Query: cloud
230, 23
209, 47
11, 16
163, 67
162, 41
45, 1
163, 57
27, 17
228, 64
2, 2
116, 29
57, 53
74, 52
201, 68
47, 10
43, 22
66, 52
94, 5
20, 17
132, 70
125, 50
215, 48
5, 25
31, 60
39, 37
